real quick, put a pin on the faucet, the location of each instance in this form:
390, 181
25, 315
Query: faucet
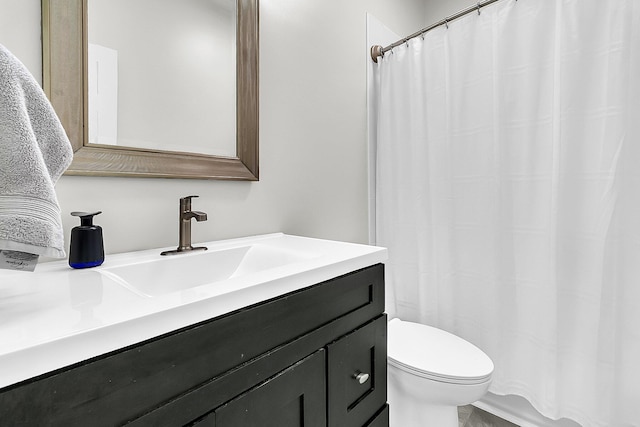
186, 214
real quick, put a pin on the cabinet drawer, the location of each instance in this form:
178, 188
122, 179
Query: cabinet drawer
357, 375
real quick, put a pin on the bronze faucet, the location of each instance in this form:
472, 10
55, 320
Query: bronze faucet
186, 214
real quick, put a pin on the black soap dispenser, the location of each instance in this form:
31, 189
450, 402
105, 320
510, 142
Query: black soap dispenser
87, 249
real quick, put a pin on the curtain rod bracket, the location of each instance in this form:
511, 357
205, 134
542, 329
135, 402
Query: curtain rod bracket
376, 52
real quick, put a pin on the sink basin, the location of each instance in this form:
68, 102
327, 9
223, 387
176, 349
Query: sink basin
185, 271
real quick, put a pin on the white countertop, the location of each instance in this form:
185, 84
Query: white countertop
57, 316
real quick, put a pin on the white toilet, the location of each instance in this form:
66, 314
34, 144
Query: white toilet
431, 373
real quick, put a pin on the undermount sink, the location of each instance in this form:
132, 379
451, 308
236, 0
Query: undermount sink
182, 272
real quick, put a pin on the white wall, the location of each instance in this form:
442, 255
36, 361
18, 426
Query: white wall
19, 32
313, 154
437, 10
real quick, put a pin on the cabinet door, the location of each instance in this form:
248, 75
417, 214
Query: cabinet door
381, 419
357, 375
294, 398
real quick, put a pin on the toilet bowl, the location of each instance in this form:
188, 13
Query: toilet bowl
430, 373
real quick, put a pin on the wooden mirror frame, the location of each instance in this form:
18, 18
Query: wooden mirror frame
64, 64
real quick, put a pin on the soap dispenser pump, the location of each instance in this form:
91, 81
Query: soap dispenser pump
87, 249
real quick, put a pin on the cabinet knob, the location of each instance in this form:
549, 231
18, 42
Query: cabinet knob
361, 377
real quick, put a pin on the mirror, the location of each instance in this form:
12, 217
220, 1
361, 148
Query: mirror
65, 78
162, 74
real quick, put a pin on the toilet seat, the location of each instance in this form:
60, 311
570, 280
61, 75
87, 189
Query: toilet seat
435, 354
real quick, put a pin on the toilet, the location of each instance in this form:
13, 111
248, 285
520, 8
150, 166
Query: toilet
430, 373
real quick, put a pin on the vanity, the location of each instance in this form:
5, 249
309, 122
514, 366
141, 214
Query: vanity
289, 331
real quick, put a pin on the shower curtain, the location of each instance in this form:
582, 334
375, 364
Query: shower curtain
508, 194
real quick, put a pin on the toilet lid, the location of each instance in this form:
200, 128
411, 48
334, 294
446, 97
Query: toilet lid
436, 354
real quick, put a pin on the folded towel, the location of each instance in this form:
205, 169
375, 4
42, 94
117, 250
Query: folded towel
34, 152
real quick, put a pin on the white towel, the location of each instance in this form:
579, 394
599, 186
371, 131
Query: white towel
34, 152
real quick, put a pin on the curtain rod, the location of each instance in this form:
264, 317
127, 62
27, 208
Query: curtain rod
379, 51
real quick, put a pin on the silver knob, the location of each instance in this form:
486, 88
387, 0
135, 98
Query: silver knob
361, 377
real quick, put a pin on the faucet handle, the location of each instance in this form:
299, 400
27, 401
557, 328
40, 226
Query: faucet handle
185, 203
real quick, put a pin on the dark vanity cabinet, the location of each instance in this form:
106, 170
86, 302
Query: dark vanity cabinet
315, 357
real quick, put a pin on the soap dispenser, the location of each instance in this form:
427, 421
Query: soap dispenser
87, 249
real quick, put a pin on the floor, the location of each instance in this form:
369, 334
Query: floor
470, 416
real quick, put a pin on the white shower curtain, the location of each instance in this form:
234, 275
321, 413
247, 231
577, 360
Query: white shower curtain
508, 194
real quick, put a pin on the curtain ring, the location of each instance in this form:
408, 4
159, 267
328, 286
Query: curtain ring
478, 6
422, 35
446, 23
406, 42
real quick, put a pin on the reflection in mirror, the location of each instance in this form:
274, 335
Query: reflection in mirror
122, 144
162, 74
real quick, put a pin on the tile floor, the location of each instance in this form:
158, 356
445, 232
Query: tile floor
470, 416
